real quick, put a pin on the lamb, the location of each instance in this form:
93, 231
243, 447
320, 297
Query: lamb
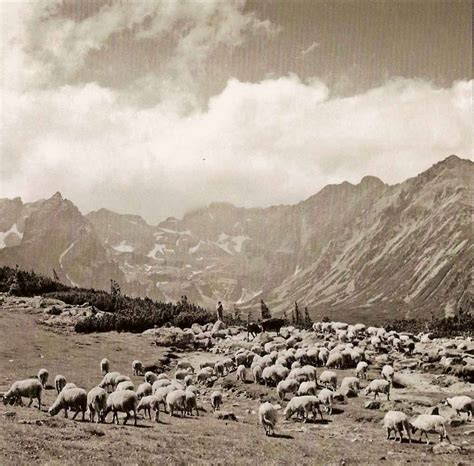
216, 400
43, 375
97, 403
74, 398
137, 367
287, 386
257, 373
461, 404
398, 422
29, 388
144, 389
429, 423
191, 402
328, 378
361, 370
176, 400
125, 385
59, 382
241, 373
303, 405
150, 377
378, 386
150, 403
267, 416
326, 396
388, 373
104, 366
124, 401
109, 380
307, 388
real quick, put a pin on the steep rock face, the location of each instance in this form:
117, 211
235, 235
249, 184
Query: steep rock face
363, 252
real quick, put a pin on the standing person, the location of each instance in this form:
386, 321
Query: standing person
219, 310
265, 311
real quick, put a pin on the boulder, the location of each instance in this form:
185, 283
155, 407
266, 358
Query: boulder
171, 336
372, 404
219, 325
445, 448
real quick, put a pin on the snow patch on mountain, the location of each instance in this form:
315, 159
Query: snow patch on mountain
123, 247
3, 235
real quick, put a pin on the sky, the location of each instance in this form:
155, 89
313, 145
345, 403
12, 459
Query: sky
158, 107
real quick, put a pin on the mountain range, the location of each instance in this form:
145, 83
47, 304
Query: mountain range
366, 252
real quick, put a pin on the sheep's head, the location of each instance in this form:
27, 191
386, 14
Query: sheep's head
54, 409
8, 398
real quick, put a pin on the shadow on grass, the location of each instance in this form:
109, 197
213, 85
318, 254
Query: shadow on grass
283, 436
337, 411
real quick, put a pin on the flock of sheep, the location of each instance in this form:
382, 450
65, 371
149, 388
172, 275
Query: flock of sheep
289, 364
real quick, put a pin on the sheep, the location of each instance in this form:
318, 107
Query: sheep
59, 382
176, 400
163, 376
74, 398
328, 378
43, 375
160, 383
96, 403
429, 423
396, 421
303, 405
144, 389
124, 401
461, 404
228, 364
267, 416
325, 396
334, 360
219, 369
350, 386
378, 386
104, 366
361, 370
307, 388
191, 402
241, 373
121, 378
257, 373
204, 374
150, 377
388, 373
323, 356
137, 367
29, 388
68, 386
287, 386
209, 364
216, 400
109, 380
181, 374
161, 393
150, 403
125, 385
188, 380
185, 365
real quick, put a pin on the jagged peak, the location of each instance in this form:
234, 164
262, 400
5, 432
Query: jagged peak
57, 195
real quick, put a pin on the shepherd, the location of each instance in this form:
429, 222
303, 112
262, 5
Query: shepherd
219, 311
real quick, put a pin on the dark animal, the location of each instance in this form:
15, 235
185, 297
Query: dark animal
268, 325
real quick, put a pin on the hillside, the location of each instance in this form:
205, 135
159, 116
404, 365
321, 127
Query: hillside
366, 252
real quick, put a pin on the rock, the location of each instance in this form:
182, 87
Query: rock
171, 336
226, 415
338, 397
196, 328
372, 404
469, 432
444, 448
219, 325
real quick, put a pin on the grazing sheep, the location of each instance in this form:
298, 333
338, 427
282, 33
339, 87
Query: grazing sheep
160, 383
68, 386
109, 380
137, 367
398, 422
74, 398
216, 400
461, 404
257, 373
123, 401
303, 406
161, 393
335, 360
59, 382
307, 388
188, 380
205, 364
267, 416
326, 396
43, 375
328, 379
430, 423
185, 365
29, 388
378, 386
204, 374
241, 373
388, 372
121, 378
104, 366
361, 370
150, 377
191, 402
287, 386
219, 369
150, 403
181, 374
144, 389
176, 400
125, 385
97, 403
228, 364
163, 376
350, 386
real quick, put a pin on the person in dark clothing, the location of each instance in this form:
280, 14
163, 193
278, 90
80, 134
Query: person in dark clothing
265, 311
219, 311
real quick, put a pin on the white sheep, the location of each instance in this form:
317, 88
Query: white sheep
241, 373
43, 375
219, 369
161, 393
204, 374
160, 383
303, 405
429, 423
59, 382
150, 403
125, 385
137, 367
188, 380
397, 422
104, 366
335, 360
96, 404
378, 386
124, 401
74, 398
461, 404
307, 388
350, 386
185, 365
144, 389
326, 396
191, 402
268, 417
216, 400
121, 378
68, 386
176, 400
387, 373
328, 379
151, 377
361, 370
287, 386
323, 356
109, 380
29, 388
181, 374
257, 373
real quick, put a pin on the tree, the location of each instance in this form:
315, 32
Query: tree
308, 323
297, 314
116, 294
55, 276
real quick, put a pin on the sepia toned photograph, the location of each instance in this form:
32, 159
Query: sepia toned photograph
236, 232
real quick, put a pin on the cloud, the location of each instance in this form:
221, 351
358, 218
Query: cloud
276, 141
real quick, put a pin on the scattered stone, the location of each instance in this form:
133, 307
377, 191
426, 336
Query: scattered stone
444, 448
372, 404
226, 416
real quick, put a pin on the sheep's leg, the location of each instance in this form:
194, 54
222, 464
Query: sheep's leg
75, 414
126, 418
135, 418
389, 431
39, 402
31, 401
65, 413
